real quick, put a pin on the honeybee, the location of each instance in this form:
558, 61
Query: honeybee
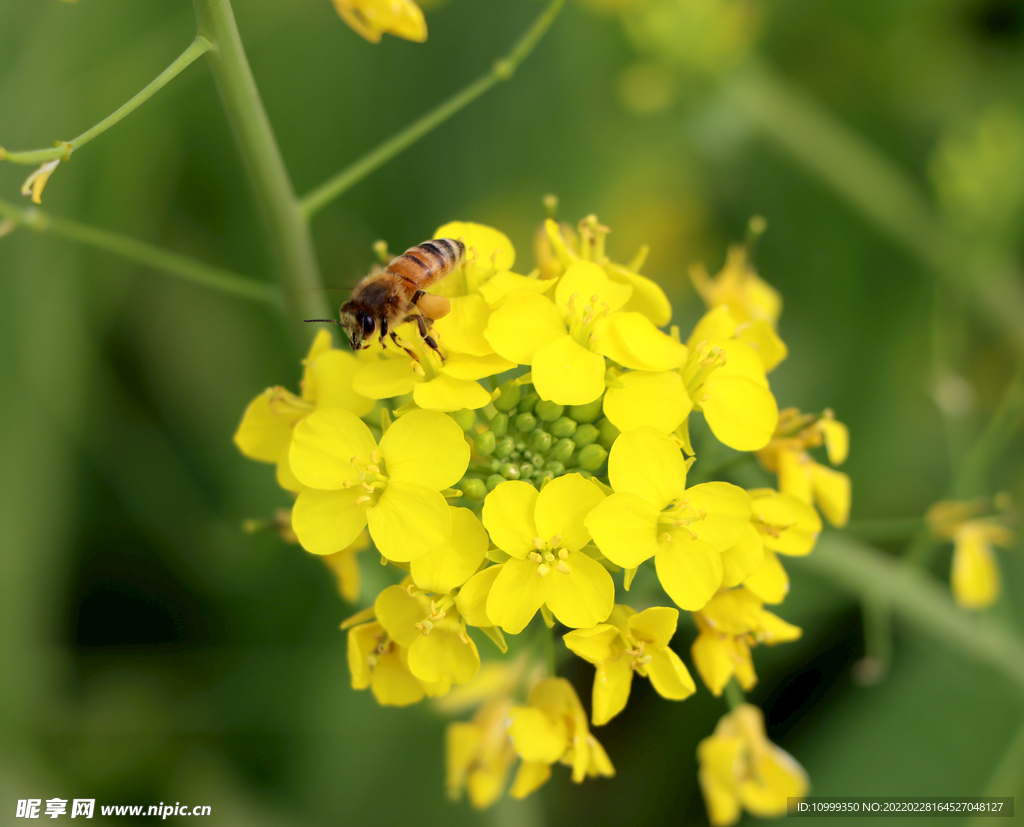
385, 299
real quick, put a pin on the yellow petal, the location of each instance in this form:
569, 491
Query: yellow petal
595, 644
689, 571
648, 463
393, 684
489, 247
656, 625
775, 777
328, 382
446, 393
582, 598
837, 439
711, 657
832, 493
467, 366
285, 478
773, 629
425, 447
362, 641
263, 432
462, 741
632, 341
647, 298
761, 336
741, 560
471, 601
444, 655
36, 182
741, 413
669, 675
657, 400
715, 325
399, 612
625, 528
408, 520
769, 580
454, 561
567, 373
792, 526
462, 330
535, 737
561, 508
717, 757
612, 682
530, 776
503, 287
324, 446
328, 521
728, 513
975, 575
795, 474
392, 376
518, 329
508, 516
372, 18
516, 595
733, 612
585, 279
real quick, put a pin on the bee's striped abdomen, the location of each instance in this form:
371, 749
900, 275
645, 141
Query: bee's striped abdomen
428, 262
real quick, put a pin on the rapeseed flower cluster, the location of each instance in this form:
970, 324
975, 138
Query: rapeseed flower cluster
540, 470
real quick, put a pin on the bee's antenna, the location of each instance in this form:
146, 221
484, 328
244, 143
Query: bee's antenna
328, 321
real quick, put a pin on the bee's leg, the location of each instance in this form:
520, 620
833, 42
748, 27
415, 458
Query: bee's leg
394, 338
423, 324
383, 330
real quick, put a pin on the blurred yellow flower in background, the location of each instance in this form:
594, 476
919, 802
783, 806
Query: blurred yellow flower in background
372, 19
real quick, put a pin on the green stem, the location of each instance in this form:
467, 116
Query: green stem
503, 69
1008, 777
63, 149
892, 528
734, 696
213, 277
877, 619
287, 230
919, 601
882, 192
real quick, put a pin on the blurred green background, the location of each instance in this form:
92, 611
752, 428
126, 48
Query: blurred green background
152, 652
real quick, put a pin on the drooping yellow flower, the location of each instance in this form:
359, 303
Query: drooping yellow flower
731, 622
393, 487
346, 568
544, 534
974, 576
553, 727
371, 19
265, 432
630, 642
377, 662
739, 288
479, 754
787, 456
740, 769
36, 182
719, 374
653, 514
784, 525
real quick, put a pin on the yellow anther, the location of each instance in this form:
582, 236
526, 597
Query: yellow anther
464, 638
666, 537
536, 557
363, 499
375, 456
555, 540
562, 567
538, 543
542, 570
367, 487
373, 468
563, 553
347, 484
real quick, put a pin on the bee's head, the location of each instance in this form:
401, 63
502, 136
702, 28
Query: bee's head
358, 325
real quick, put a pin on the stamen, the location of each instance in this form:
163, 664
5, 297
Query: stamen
535, 557
542, 570
563, 554
367, 487
363, 499
562, 567
538, 543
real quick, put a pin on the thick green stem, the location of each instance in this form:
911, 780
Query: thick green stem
287, 230
196, 271
919, 601
63, 149
503, 69
734, 696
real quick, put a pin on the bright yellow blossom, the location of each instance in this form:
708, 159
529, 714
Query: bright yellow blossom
653, 514
974, 576
543, 533
731, 622
479, 754
784, 525
393, 487
630, 642
737, 287
723, 376
553, 727
371, 19
741, 769
378, 662
265, 432
787, 456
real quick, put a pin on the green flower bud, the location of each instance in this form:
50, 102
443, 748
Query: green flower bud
525, 422
592, 457
563, 450
466, 418
520, 445
510, 471
562, 427
485, 443
555, 467
541, 441
506, 445
527, 403
609, 433
525, 469
494, 466
515, 456
585, 435
474, 488
585, 474
494, 480
541, 477
499, 425
548, 411
588, 412
510, 395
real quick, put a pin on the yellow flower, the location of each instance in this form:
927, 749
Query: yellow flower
553, 727
35, 183
479, 754
653, 514
265, 432
729, 625
393, 487
741, 768
974, 576
784, 525
629, 643
737, 287
346, 568
373, 18
717, 373
543, 533
378, 662
787, 456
